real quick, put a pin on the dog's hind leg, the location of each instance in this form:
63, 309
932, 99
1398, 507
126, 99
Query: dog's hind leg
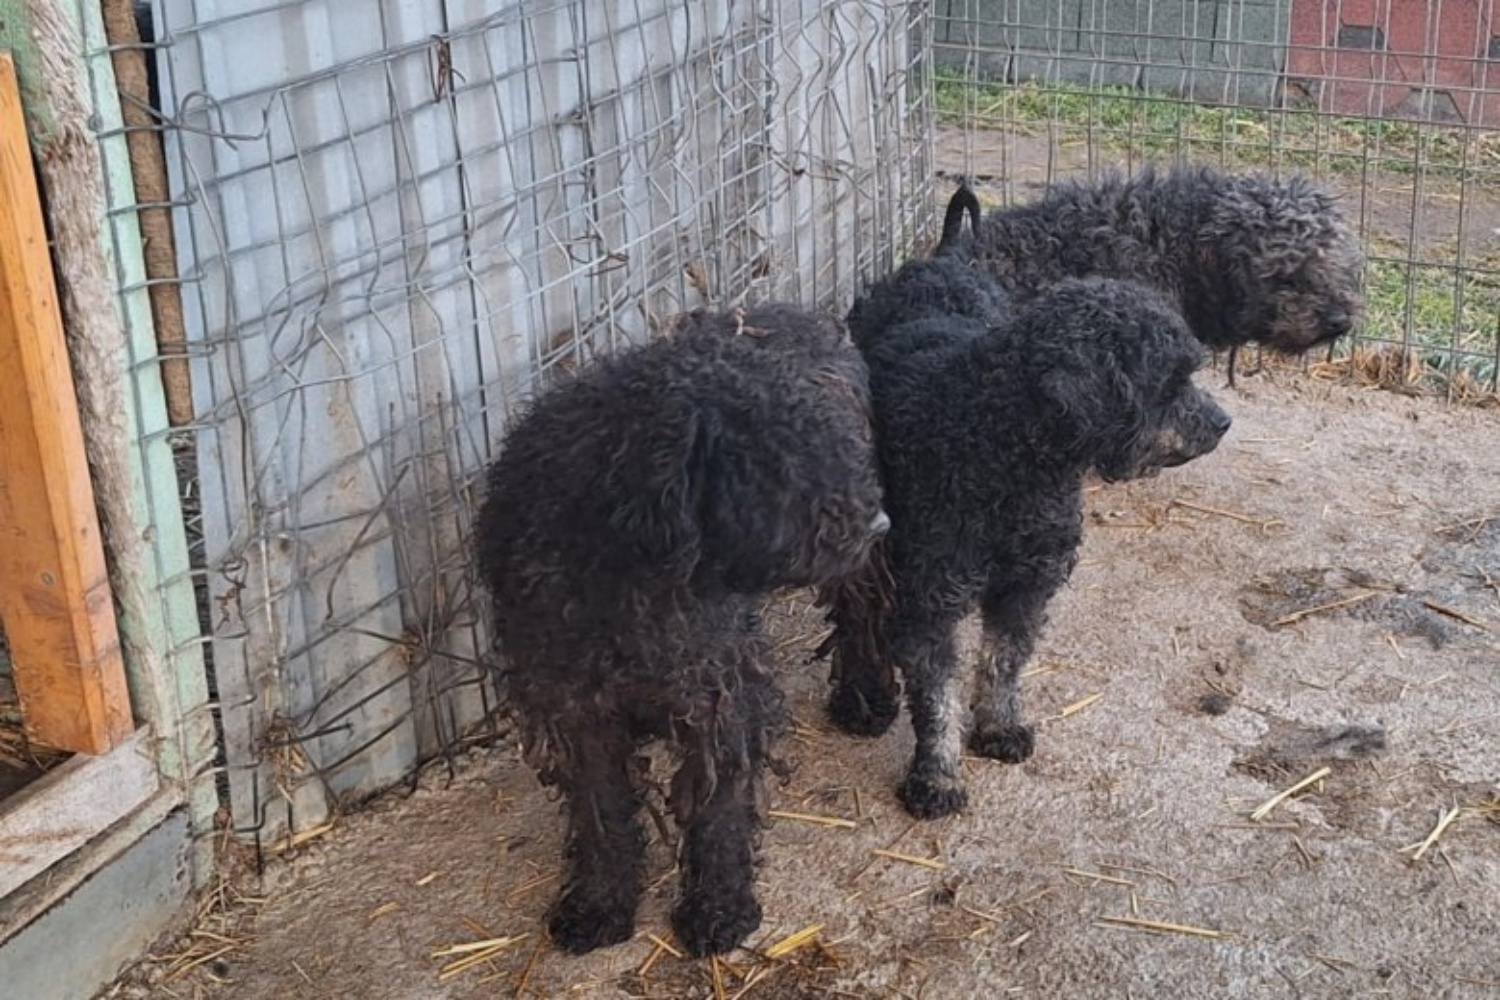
1013, 617
605, 848
933, 786
716, 799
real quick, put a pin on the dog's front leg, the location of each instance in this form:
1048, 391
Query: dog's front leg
933, 786
1013, 617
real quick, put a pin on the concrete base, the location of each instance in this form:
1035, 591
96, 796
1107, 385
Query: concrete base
81, 942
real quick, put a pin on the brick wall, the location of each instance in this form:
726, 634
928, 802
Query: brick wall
1397, 58
1437, 59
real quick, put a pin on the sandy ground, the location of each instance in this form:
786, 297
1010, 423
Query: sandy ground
1322, 592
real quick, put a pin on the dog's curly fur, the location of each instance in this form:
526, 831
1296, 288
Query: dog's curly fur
1247, 258
635, 519
985, 430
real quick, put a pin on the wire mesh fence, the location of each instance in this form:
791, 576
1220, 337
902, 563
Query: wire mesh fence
1393, 103
397, 219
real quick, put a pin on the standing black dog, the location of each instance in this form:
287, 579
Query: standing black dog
1246, 258
634, 522
987, 422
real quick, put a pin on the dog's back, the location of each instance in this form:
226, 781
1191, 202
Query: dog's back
732, 455
926, 289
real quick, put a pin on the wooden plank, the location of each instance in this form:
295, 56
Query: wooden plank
54, 591
59, 813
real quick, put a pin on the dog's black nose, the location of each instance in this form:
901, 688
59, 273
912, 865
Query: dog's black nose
1221, 421
881, 524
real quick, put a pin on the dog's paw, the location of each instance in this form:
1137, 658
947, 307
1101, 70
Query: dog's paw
932, 796
709, 924
581, 922
1011, 744
862, 713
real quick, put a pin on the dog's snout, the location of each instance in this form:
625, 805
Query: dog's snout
880, 524
1338, 322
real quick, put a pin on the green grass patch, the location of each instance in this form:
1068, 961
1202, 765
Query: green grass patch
1444, 313
1159, 125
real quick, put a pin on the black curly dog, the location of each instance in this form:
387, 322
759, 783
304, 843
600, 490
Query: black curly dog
633, 523
1247, 258
987, 420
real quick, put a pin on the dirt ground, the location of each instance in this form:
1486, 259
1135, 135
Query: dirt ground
1321, 592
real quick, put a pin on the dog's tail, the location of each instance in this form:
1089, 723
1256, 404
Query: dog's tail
963, 200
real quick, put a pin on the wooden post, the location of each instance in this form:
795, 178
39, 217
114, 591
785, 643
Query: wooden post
55, 598
149, 171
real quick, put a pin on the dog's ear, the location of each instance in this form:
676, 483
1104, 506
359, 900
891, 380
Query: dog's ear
1088, 399
659, 476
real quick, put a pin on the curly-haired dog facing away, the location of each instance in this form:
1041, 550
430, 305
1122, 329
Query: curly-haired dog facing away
633, 522
984, 434
1247, 258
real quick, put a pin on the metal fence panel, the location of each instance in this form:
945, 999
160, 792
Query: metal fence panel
1394, 103
404, 216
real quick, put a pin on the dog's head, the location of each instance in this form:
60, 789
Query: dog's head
763, 475
1114, 373
1276, 264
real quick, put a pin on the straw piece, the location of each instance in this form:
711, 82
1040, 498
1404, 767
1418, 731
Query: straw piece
665, 946
198, 960
536, 953
792, 942
469, 947
660, 948
834, 821
980, 914
1154, 873
489, 950
1297, 616
1454, 614
933, 863
1162, 926
1281, 797
1079, 705
298, 839
1445, 819
1242, 518
718, 974
1097, 877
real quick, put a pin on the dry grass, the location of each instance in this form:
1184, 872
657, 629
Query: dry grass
220, 931
22, 759
1391, 367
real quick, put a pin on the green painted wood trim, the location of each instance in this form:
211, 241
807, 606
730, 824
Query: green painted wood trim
16, 37
186, 751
